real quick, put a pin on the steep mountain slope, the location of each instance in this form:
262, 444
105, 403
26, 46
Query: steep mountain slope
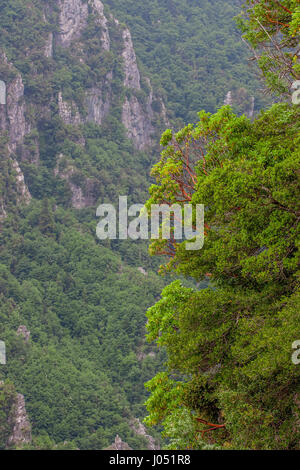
193, 53
65, 78
80, 127
67, 55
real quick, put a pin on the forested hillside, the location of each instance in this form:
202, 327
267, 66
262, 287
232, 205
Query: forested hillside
193, 52
90, 87
72, 308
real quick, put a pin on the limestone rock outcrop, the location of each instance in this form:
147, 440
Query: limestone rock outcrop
21, 427
12, 114
140, 430
72, 20
119, 445
24, 333
22, 114
82, 195
98, 105
12, 121
131, 71
242, 100
68, 111
137, 116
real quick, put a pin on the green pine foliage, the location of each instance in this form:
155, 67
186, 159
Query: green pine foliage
230, 380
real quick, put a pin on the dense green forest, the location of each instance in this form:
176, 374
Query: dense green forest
81, 126
84, 308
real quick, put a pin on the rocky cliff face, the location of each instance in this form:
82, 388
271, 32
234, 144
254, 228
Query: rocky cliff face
98, 103
14, 126
119, 445
136, 118
97, 5
12, 114
15, 425
16, 192
72, 20
21, 428
140, 430
137, 114
131, 71
82, 196
68, 111
21, 117
242, 101
22, 190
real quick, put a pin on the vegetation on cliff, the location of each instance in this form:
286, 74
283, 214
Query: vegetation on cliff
81, 121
